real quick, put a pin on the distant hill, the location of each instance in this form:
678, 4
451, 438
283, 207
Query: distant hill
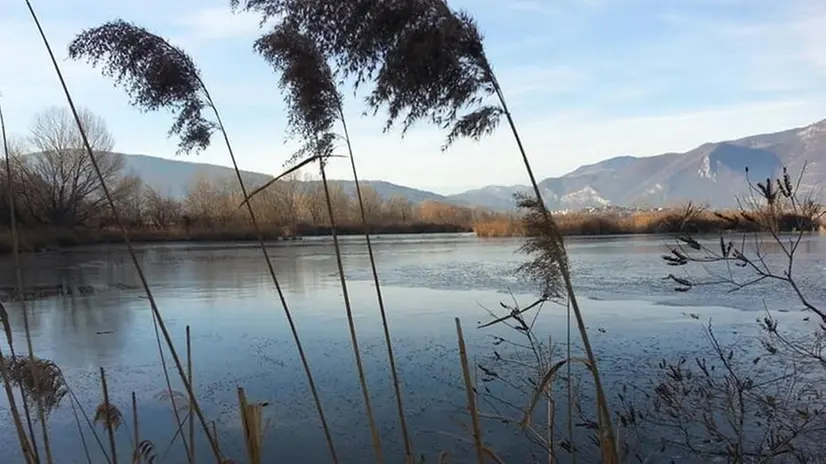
172, 177
713, 174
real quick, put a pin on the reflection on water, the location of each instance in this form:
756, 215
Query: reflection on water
240, 336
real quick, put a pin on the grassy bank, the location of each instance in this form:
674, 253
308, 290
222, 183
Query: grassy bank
649, 222
49, 238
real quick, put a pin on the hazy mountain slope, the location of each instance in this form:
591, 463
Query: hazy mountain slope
493, 196
713, 173
172, 176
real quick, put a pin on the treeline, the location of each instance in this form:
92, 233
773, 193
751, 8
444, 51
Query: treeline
58, 199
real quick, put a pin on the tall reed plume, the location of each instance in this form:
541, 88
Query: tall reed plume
314, 105
427, 62
158, 75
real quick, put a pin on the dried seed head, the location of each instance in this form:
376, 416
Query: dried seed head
545, 246
154, 73
427, 62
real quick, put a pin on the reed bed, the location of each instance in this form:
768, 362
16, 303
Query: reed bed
647, 222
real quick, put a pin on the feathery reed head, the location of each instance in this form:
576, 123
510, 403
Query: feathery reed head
154, 73
40, 379
427, 61
313, 101
546, 245
108, 415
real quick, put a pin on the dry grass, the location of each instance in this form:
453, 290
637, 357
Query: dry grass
648, 222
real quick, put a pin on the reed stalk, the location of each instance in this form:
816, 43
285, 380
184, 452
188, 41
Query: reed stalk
24, 441
271, 269
136, 456
252, 426
351, 325
80, 432
471, 395
191, 411
110, 426
606, 427
119, 222
408, 448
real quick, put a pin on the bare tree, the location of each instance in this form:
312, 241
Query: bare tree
202, 200
372, 204
60, 186
314, 203
399, 209
161, 211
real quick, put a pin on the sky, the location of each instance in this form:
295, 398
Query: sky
586, 80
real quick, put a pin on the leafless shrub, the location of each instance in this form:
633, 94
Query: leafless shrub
743, 403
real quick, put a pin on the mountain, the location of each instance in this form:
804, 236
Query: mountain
171, 177
712, 174
498, 198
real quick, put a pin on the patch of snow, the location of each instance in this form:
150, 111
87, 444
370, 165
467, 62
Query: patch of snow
584, 196
811, 131
656, 188
705, 169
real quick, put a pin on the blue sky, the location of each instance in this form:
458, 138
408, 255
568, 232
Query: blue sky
586, 80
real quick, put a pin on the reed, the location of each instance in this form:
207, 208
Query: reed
670, 221
28, 443
316, 104
167, 77
144, 282
427, 62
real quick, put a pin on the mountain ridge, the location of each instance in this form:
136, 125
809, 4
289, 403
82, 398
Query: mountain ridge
713, 173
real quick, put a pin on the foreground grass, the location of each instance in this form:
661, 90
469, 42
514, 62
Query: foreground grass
647, 222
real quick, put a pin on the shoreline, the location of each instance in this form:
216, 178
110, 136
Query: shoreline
51, 238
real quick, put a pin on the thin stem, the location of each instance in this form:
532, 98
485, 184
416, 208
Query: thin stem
602, 404
110, 429
89, 422
189, 374
350, 322
471, 396
80, 432
169, 390
293, 328
408, 448
119, 222
136, 453
25, 446
41, 415
15, 245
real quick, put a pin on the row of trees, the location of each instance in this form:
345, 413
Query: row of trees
54, 184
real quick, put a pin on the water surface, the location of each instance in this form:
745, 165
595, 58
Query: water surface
240, 336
